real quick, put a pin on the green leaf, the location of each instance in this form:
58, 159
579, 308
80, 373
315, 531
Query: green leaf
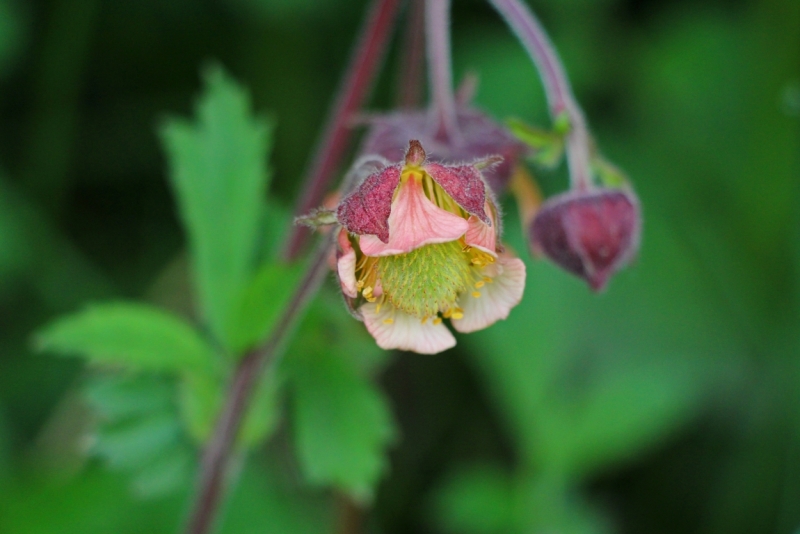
264, 411
548, 146
341, 421
621, 411
218, 169
200, 399
262, 303
477, 499
133, 443
135, 335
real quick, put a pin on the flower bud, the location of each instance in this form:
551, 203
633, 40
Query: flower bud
591, 234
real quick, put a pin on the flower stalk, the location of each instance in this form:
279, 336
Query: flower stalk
358, 80
560, 98
437, 35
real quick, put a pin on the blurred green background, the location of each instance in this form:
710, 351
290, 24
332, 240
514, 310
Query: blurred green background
670, 403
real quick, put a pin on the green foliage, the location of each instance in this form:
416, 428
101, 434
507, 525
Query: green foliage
342, 424
128, 334
263, 300
218, 169
139, 431
477, 499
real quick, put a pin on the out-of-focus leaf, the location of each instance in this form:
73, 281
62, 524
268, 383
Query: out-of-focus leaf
620, 412
548, 502
200, 398
10, 34
147, 440
116, 398
218, 169
342, 423
478, 499
548, 146
169, 471
136, 442
128, 334
262, 303
264, 411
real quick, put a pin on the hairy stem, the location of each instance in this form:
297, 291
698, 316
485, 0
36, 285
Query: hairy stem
357, 82
437, 35
556, 84
219, 456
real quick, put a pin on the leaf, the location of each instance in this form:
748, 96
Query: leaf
548, 146
218, 170
200, 399
342, 424
136, 442
264, 411
135, 335
477, 499
262, 303
620, 412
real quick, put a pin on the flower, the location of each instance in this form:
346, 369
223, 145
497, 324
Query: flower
419, 244
591, 234
478, 136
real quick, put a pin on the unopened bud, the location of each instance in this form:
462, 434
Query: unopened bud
591, 234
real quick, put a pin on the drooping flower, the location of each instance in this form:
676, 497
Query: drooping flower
419, 244
591, 234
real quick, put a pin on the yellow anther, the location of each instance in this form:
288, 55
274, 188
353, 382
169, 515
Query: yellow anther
437, 320
367, 292
360, 284
388, 321
424, 319
487, 280
480, 284
378, 307
476, 294
447, 313
458, 315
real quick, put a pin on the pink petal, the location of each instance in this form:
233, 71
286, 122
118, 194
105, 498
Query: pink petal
366, 210
497, 297
404, 331
481, 235
415, 221
465, 184
346, 266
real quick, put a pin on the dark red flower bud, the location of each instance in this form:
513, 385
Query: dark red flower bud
591, 234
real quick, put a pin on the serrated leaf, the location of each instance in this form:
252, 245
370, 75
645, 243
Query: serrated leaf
134, 335
262, 303
342, 424
218, 169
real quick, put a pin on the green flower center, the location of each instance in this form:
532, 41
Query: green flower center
426, 280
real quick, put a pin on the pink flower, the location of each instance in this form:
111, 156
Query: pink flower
419, 244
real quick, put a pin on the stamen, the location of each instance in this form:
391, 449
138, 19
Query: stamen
437, 320
476, 294
479, 284
388, 321
447, 313
487, 280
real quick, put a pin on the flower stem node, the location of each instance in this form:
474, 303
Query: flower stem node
419, 243
591, 234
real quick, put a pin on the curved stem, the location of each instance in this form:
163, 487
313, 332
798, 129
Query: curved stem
556, 84
357, 82
219, 453
437, 34
412, 68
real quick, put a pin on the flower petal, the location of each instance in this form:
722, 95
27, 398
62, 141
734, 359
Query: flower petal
394, 329
481, 235
415, 221
465, 184
366, 210
496, 299
346, 265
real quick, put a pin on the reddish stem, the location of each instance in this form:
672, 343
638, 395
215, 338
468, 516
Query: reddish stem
218, 456
437, 36
413, 62
357, 82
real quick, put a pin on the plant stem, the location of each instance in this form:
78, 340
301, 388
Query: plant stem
219, 453
413, 62
556, 84
437, 30
357, 82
